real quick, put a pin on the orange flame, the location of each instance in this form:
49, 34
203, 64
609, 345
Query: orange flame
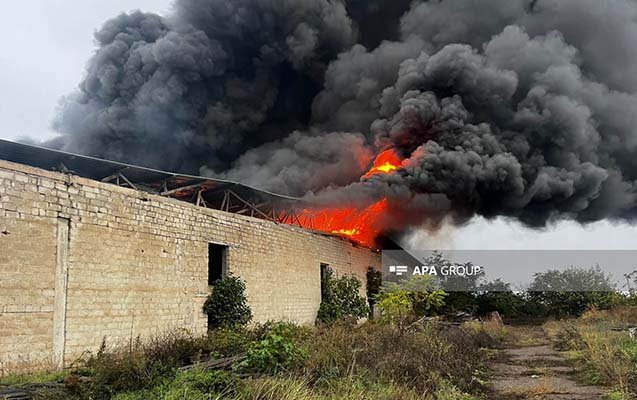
360, 225
386, 162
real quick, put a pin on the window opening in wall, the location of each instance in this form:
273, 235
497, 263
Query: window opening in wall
216, 262
324, 268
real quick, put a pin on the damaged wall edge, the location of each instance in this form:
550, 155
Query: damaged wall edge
61, 287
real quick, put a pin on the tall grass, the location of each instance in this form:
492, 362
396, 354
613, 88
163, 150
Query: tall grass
420, 359
601, 342
343, 361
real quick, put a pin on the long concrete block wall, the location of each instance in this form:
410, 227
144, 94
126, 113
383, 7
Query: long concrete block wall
82, 260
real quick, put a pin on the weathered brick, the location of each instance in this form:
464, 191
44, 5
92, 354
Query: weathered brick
138, 264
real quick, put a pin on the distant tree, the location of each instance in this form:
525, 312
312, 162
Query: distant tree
497, 296
461, 291
572, 291
456, 283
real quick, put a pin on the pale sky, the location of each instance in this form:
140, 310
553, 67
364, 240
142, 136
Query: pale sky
44, 47
503, 234
46, 43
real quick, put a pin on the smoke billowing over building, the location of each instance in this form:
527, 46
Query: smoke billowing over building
376, 116
514, 108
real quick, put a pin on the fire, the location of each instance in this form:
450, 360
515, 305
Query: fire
361, 225
347, 232
386, 162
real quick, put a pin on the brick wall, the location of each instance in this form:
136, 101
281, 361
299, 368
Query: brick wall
81, 260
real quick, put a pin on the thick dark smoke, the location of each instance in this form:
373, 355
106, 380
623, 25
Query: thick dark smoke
522, 108
204, 84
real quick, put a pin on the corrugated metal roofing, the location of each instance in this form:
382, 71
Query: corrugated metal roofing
147, 179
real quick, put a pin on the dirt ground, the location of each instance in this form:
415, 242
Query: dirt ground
529, 368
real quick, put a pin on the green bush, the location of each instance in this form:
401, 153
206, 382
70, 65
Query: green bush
227, 305
556, 293
374, 283
277, 350
341, 299
497, 296
572, 291
412, 298
396, 307
143, 367
508, 304
195, 384
226, 342
138, 367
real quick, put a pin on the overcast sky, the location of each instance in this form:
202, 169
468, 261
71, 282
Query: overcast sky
46, 43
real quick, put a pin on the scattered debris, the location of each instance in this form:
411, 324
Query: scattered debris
632, 331
220, 363
494, 316
26, 392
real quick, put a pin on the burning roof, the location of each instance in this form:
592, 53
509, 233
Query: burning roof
357, 225
523, 109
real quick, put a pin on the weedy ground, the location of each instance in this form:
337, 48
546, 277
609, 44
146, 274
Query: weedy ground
530, 368
591, 357
282, 361
600, 345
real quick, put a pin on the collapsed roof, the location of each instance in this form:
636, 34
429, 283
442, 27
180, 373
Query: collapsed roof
203, 191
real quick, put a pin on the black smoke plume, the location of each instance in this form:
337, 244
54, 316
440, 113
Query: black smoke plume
521, 108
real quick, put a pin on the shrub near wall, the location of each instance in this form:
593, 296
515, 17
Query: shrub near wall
341, 299
276, 351
374, 283
227, 305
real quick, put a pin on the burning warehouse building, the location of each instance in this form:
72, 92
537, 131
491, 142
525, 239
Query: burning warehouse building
92, 249
385, 116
